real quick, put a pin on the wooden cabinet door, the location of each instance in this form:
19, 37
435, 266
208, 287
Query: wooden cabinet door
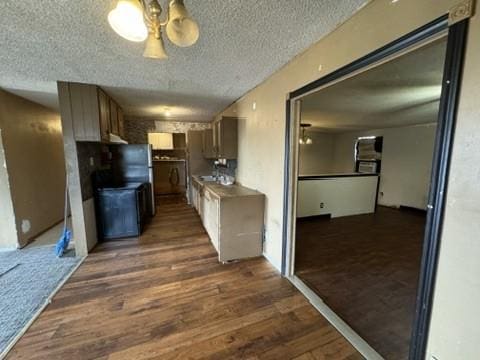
179, 141
84, 104
206, 210
113, 117
78, 111
104, 114
121, 123
207, 144
228, 138
217, 138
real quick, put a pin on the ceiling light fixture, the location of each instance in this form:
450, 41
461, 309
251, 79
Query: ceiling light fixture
139, 20
304, 139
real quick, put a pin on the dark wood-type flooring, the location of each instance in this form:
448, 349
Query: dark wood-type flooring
165, 296
366, 269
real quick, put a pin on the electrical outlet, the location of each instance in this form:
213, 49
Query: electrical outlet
322, 205
92, 161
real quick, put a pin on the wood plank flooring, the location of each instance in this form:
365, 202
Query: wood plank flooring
165, 296
366, 269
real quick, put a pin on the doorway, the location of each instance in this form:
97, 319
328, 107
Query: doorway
368, 150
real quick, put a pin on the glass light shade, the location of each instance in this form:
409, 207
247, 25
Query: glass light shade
127, 20
154, 48
301, 142
182, 30
308, 141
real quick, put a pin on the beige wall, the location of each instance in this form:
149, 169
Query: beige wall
317, 158
455, 332
32, 139
8, 232
406, 162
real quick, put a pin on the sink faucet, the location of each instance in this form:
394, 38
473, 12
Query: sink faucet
216, 173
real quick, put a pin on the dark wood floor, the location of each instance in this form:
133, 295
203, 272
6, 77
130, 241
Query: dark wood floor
366, 269
165, 296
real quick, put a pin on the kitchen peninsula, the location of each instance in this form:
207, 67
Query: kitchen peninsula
232, 215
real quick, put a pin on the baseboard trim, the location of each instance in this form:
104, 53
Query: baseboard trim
348, 333
40, 310
413, 209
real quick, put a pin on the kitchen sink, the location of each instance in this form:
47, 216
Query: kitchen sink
207, 178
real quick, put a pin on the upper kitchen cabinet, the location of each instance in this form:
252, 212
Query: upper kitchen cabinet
121, 123
179, 141
208, 150
103, 118
167, 141
161, 141
114, 117
94, 114
225, 141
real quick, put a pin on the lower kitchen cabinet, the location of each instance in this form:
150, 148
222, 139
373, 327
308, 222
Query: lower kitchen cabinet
233, 218
170, 177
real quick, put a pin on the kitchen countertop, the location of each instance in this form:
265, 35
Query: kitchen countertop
226, 191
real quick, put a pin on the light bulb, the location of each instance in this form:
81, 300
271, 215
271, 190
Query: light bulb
127, 20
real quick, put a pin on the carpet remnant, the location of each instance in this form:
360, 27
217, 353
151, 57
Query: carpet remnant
27, 278
4, 268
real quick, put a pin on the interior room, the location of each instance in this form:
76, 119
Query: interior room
239, 179
364, 176
32, 211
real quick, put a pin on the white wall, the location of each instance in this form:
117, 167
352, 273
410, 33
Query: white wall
317, 158
406, 162
455, 331
342, 196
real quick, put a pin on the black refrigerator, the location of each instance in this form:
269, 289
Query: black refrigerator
133, 164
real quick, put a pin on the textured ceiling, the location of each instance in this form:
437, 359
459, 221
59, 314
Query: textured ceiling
404, 91
241, 44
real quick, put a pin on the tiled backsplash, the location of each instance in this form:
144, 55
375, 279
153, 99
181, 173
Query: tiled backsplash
136, 130
230, 169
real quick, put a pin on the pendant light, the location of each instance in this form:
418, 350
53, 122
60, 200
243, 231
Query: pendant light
304, 139
139, 20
